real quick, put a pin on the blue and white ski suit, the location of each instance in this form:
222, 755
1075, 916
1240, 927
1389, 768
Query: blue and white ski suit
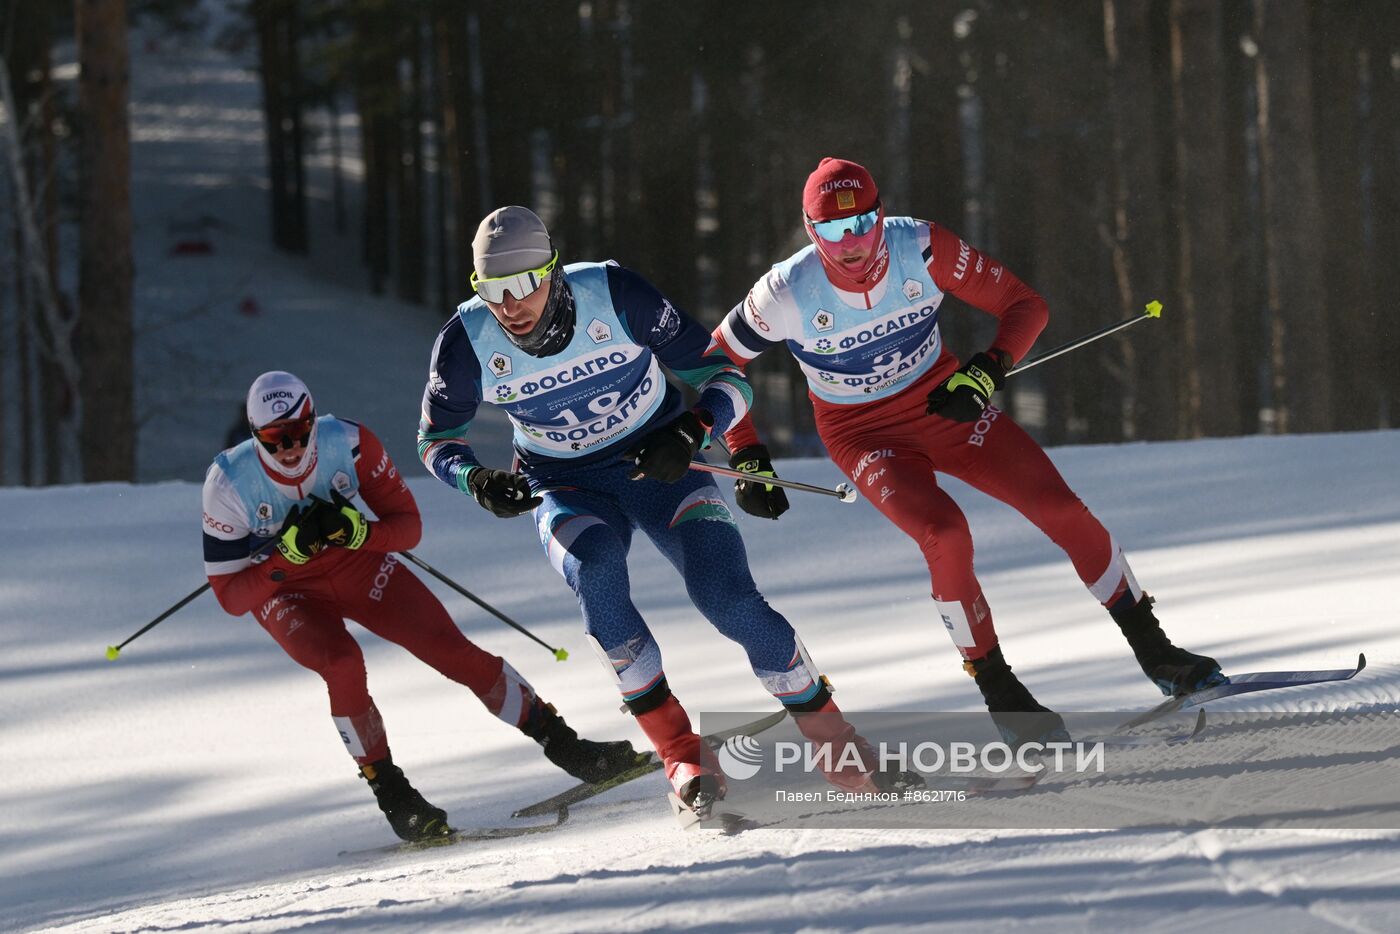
574, 414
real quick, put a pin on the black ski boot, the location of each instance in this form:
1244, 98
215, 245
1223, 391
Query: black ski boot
584, 759
1174, 670
1019, 719
701, 794
412, 817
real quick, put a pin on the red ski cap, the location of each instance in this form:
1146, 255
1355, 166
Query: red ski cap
838, 188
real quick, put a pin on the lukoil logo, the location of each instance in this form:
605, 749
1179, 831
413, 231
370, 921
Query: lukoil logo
741, 757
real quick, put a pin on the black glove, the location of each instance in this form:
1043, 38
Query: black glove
964, 395
504, 493
665, 453
300, 539
340, 524
757, 499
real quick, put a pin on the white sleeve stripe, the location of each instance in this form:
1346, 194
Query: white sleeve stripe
734, 344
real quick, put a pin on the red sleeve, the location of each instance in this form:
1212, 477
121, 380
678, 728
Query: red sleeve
399, 524
244, 591
984, 283
742, 435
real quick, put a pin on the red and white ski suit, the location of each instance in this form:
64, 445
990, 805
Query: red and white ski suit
890, 448
304, 607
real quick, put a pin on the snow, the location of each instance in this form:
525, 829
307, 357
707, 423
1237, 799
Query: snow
197, 783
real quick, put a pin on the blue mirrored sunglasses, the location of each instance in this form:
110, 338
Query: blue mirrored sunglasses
834, 231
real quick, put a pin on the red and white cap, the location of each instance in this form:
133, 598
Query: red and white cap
280, 396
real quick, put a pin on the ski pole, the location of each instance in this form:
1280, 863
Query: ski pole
843, 491
1153, 310
115, 650
559, 654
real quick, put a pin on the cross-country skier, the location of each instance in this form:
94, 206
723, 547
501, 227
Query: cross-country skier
858, 309
603, 447
295, 482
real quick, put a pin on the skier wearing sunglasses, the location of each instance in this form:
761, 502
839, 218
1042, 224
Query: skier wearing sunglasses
603, 446
295, 483
859, 310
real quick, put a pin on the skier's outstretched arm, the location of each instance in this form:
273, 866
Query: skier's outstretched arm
986, 284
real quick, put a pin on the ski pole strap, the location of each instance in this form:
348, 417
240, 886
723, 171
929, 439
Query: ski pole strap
1153, 310
843, 492
559, 654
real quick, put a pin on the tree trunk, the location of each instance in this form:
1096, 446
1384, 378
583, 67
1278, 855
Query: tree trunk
276, 25
1292, 218
1201, 206
376, 91
105, 263
1348, 313
42, 358
663, 216
1251, 333
337, 172
994, 132
1139, 235
460, 163
1065, 236
411, 247
1383, 154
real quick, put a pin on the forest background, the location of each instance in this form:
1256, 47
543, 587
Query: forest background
1235, 160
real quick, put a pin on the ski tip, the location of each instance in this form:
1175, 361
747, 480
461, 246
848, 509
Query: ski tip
113, 652
1360, 661
1154, 309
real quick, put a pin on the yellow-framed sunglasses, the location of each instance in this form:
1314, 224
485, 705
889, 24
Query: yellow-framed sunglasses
521, 284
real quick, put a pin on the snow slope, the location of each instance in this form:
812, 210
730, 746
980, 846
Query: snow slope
208, 323
198, 783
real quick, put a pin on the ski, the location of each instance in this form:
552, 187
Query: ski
1119, 740
586, 790
991, 786
458, 836
1244, 684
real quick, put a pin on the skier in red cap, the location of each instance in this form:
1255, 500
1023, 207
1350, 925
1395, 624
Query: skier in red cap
859, 310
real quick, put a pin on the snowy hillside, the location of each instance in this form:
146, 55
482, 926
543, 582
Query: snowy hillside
197, 782
216, 304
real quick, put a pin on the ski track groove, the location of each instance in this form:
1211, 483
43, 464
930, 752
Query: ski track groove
1276, 885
